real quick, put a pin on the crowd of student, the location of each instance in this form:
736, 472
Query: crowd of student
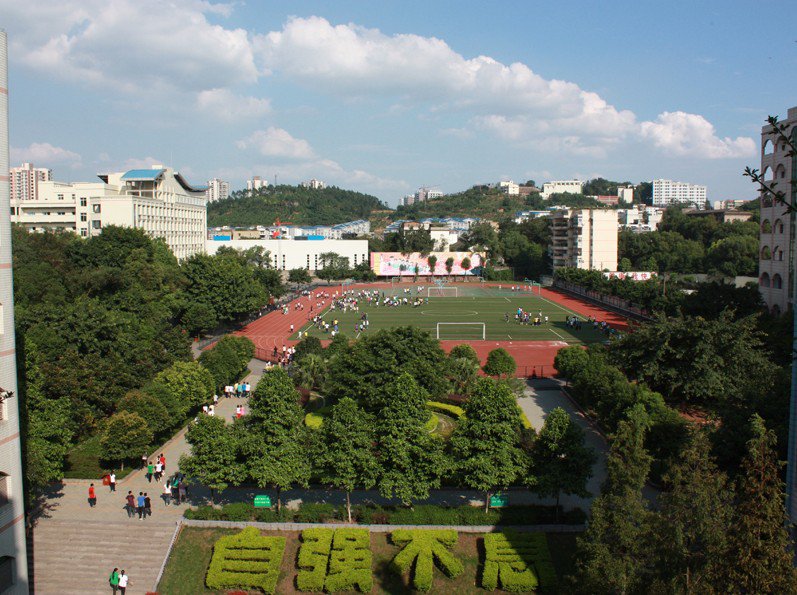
524, 317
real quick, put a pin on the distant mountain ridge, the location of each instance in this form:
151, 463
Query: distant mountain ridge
292, 204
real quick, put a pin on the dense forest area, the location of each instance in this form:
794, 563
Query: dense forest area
294, 204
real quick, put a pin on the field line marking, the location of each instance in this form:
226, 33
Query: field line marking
558, 335
507, 299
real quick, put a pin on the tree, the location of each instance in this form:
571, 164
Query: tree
213, 461
486, 442
431, 260
570, 360
299, 276
464, 350
199, 318
149, 408
307, 346
612, 553
274, 439
344, 457
465, 264
759, 555
733, 256
309, 371
500, 363
228, 359
449, 265
690, 530
462, 372
125, 437
182, 387
560, 461
411, 460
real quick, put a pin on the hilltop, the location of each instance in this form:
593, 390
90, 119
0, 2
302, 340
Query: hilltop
294, 204
479, 201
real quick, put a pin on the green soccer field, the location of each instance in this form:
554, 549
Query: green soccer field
472, 305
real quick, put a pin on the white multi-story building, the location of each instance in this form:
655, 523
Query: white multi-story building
584, 239
13, 550
509, 187
314, 184
562, 187
776, 251
667, 192
256, 183
640, 219
217, 190
25, 181
157, 200
626, 194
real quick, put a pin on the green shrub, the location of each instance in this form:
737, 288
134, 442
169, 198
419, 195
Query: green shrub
520, 562
203, 513
338, 560
247, 561
312, 561
315, 513
452, 410
313, 420
424, 548
237, 511
227, 359
268, 515
431, 424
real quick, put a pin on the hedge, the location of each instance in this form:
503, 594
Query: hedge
424, 547
315, 419
431, 424
247, 561
452, 410
422, 514
519, 562
524, 420
335, 560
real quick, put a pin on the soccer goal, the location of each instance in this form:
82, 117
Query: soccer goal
442, 291
395, 281
477, 329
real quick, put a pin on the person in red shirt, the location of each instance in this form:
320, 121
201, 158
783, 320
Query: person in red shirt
163, 463
92, 496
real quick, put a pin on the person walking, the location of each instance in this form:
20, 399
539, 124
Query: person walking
167, 493
150, 471
158, 470
92, 497
147, 505
144, 458
113, 580
140, 506
112, 480
163, 463
124, 580
131, 504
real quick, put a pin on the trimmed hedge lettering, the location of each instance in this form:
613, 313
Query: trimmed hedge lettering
335, 560
425, 547
518, 562
246, 561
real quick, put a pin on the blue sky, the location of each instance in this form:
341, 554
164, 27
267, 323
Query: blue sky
383, 97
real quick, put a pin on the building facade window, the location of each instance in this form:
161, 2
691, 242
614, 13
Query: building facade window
778, 226
766, 253
766, 226
83, 201
764, 281
777, 281
5, 489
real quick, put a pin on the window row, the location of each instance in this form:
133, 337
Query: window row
776, 281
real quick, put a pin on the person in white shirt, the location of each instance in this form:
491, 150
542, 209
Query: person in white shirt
112, 480
211, 411
123, 581
215, 399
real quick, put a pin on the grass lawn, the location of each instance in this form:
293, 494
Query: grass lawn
83, 462
188, 563
486, 305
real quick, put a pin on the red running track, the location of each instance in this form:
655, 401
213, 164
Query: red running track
532, 357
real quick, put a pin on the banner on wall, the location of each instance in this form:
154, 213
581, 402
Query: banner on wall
634, 276
396, 264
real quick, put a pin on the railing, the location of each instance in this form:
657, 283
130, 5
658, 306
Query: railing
613, 302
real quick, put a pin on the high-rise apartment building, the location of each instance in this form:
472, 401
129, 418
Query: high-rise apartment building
256, 183
584, 239
157, 200
13, 551
217, 190
313, 184
562, 187
667, 192
25, 181
776, 247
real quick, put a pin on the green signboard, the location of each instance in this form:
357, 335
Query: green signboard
499, 501
262, 501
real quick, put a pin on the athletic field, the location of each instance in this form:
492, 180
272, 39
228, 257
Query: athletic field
470, 309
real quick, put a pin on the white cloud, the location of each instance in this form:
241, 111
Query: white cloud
511, 101
277, 142
691, 135
227, 106
45, 155
130, 46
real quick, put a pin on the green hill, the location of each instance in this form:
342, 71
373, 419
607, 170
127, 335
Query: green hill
292, 204
479, 201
